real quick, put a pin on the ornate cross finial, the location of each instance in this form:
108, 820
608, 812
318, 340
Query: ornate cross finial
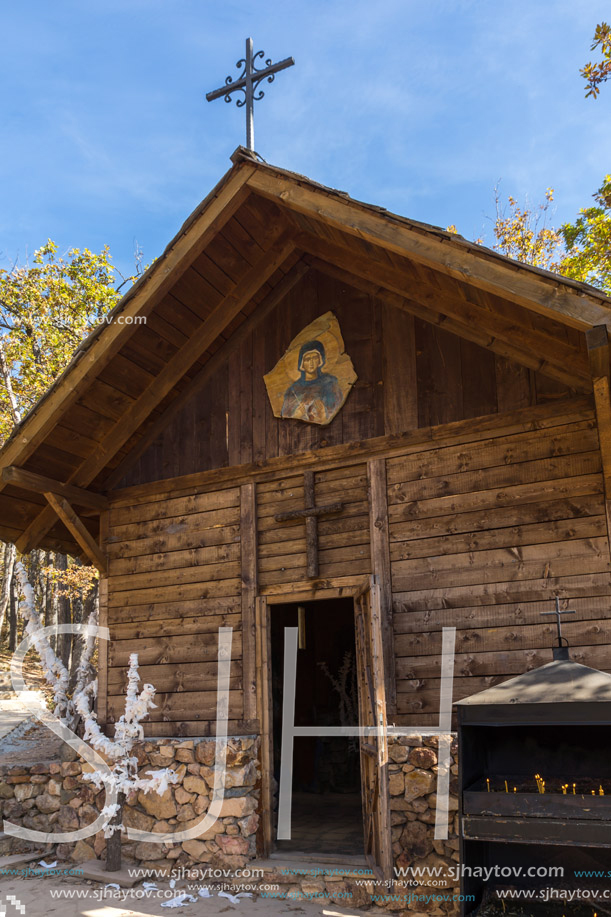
559, 612
248, 82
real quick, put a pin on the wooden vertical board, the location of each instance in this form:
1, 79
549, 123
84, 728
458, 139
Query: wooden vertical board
259, 394
311, 525
354, 312
380, 560
246, 401
264, 713
216, 419
374, 748
514, 385
102, 698
438, 369
300, 309
234, 400
598, 354
248, 544
377, 365
273, 351
478, 375
399, 370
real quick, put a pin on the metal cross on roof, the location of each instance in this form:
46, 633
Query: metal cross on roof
559, 612
248, 82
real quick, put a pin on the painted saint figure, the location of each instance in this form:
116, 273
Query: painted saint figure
316, 395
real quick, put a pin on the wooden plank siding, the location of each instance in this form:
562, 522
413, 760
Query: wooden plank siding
482, 537
410, 374
482, 528
174, 579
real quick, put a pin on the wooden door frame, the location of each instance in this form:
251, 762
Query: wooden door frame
347, 588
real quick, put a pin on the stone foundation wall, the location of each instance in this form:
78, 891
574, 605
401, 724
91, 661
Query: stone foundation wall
413, 769
52, 796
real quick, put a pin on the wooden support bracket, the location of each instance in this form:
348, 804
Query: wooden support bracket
76, 528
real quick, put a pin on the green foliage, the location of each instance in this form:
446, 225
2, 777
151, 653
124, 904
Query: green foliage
580, 250
588, 242
597, 73
46, 309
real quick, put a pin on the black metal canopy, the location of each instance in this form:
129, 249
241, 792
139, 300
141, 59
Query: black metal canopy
561, 691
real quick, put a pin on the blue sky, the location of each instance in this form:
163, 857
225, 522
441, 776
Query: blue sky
417, 106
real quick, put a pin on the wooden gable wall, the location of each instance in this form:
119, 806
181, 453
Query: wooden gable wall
410, 374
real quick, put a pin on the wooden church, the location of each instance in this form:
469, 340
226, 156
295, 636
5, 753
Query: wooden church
312, 412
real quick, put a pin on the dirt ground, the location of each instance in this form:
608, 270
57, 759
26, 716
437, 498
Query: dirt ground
72, 897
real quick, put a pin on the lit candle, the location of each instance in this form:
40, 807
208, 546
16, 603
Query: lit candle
573, 789
601, 792
488, 783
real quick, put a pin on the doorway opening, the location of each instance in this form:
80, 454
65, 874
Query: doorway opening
327, 816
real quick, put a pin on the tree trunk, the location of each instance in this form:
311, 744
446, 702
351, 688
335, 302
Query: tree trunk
63, 615
10, 554
12, 618
113, 844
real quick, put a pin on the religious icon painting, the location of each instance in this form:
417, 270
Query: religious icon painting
313, 378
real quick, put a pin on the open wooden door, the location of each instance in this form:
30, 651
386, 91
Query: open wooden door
374, 748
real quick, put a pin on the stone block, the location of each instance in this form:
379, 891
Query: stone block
197, 850
419, 783
240, 807
397, 753
396, 784
82, 852
158, 806
47, 803
423, 757
193, 784
150, 851
185, 754
249, 825
232, 845
205, 752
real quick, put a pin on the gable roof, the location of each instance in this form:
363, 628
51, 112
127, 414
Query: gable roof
234, 259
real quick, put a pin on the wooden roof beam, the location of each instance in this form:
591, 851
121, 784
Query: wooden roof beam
558, 360
164, 382
75, 526
40, 484
573, 308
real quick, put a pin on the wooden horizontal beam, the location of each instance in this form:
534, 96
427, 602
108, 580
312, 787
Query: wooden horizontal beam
420, 439
482, 269
76, 528
166, 379
40, 484
557, 360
